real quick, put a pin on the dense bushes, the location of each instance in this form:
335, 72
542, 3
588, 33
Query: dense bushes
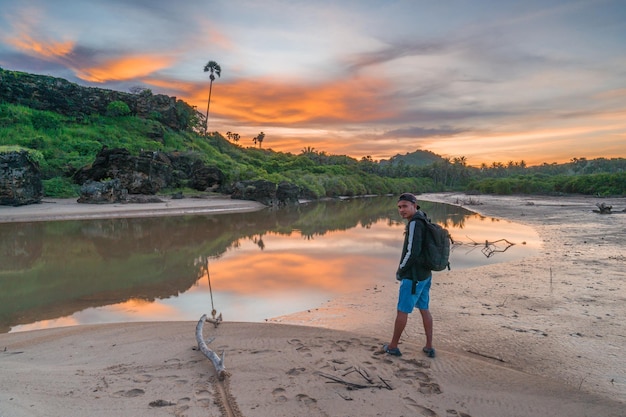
613, 184
117, 109
596, 184
59, 187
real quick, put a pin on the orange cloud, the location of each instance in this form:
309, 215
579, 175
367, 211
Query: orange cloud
272, 101
558, 144
355, 100
125, 68
41, 49
24, 25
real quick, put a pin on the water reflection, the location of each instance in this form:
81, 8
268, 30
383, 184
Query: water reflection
261, 264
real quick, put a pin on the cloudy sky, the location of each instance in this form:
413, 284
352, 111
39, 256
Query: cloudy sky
491, 80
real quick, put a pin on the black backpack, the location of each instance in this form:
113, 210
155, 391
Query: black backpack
436, 245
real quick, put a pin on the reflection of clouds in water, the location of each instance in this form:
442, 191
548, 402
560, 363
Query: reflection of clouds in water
340, 262
289, 272
47, 324
332, 262
250, 307
191, 306
131, 310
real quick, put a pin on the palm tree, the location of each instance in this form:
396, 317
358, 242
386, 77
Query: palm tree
259, 139
214, 68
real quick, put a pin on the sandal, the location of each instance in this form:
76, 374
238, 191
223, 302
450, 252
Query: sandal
392, 352
430, 352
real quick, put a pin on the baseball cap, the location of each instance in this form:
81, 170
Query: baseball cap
407, 197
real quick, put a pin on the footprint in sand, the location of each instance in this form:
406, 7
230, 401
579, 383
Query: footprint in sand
131, 393
295, 371
414, 406
182, 405
142, 378
304, 350
409, 375
203, 397
306, 399
342, 345
279, 395
181, 411
406, 373
454, 413
430, 388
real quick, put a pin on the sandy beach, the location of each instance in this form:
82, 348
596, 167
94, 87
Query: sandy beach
542, 336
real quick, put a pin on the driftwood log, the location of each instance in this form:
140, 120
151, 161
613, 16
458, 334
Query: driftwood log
218, 362
603, 208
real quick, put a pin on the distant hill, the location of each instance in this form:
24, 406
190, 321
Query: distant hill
417, 158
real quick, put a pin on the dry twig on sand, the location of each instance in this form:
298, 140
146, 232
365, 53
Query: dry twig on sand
354, 385
486, 356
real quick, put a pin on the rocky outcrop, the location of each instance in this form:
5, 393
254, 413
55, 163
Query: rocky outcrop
20, 179
104, 192
204, 178
150, 172
147, 173
287, 193
259, 190
111, 191
43, 92
267, 192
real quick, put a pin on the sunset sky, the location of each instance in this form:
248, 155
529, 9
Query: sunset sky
491, 80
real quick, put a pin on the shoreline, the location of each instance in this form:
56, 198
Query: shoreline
538, 336
69, 209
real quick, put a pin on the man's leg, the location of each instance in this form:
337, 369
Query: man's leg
398, 328
406, 303
423, 288
427, 319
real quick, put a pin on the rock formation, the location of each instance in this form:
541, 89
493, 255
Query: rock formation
20, 179
43, 92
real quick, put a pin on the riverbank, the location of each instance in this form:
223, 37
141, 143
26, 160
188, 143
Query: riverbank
69, 209
540, 336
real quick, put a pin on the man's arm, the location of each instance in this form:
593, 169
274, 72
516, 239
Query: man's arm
414, 248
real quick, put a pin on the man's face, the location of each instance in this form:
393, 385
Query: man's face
406, 209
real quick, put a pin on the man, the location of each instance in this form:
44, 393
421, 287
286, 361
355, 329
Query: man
414, 278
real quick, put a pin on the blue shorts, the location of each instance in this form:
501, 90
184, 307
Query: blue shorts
407, 301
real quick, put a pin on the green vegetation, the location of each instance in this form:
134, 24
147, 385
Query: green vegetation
61, 144
117, 108
67, 143
32, 155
